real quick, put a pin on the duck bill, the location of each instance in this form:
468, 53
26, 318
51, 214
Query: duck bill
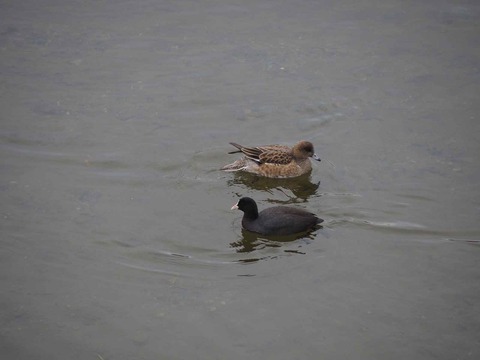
234, 207
315, 157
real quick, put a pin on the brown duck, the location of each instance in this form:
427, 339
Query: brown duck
274, 161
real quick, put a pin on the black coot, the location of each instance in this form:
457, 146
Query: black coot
277, 220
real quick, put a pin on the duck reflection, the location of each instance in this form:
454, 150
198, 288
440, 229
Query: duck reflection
301, 187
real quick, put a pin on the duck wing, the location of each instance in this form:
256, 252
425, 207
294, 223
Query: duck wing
272, 154
279, 156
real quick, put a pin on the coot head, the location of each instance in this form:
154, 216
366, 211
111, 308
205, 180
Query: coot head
248, 206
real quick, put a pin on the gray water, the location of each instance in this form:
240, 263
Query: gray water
117, 239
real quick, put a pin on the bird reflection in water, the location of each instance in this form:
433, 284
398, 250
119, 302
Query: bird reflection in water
252, 242
302, 187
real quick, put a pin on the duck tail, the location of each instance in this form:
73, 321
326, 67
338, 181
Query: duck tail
238, 146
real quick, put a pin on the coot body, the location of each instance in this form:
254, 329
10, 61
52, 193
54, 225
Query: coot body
277, 220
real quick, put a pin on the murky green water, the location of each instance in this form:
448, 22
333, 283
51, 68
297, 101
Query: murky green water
117, 241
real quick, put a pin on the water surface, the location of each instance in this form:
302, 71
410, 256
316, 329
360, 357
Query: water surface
117, 239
